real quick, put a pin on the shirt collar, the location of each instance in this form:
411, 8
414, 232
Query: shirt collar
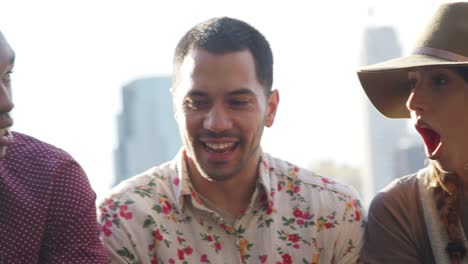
183, 186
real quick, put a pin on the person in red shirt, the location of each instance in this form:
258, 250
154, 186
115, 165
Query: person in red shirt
47, 212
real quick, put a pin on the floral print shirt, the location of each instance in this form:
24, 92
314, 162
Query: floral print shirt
294, 216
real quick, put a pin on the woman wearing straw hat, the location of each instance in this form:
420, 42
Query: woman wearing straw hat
423, 218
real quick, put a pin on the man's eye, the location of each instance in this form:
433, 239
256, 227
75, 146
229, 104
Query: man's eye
7, 76
238, 102
195, 103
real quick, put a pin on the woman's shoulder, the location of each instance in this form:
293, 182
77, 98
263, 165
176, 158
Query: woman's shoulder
402, 193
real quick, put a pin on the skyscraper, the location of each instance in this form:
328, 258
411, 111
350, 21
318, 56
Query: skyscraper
147, 131
409, 156
382, 134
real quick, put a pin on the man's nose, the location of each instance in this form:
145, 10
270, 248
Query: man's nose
6, 102
218, 119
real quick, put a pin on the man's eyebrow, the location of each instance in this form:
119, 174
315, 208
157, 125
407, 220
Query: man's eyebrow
242, 91
196, 93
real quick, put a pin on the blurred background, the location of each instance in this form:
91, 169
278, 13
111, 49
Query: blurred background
93, 77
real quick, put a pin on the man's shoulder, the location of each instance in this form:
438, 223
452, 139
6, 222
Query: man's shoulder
145, 184
312, 182
25, 145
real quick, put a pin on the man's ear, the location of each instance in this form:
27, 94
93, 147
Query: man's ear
272, 107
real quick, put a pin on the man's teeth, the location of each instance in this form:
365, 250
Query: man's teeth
218, 146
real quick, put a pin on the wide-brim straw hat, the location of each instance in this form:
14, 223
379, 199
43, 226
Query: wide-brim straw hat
443, 43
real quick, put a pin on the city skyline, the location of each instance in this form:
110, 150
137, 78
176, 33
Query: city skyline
72, 59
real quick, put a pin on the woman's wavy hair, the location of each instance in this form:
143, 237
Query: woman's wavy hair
447, 193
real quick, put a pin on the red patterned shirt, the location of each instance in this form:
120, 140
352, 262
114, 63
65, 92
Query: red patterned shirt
294, 216
47, 212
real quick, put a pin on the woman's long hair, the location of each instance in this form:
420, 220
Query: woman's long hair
447, 192
447, 195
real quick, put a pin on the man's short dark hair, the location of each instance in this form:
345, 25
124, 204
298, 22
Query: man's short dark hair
222, 35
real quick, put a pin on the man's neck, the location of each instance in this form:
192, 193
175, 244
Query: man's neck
232, 195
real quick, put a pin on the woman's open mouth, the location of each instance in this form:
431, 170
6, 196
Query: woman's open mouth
432, 141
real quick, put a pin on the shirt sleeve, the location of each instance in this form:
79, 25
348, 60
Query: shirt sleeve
116, 218
388, 238
72, 233
351, 233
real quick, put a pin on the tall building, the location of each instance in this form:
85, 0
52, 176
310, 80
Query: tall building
147, 131
409, 157
382, 135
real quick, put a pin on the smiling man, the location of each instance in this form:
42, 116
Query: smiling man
222, 199
47, 205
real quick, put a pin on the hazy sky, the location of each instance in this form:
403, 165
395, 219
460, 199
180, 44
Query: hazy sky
74, 56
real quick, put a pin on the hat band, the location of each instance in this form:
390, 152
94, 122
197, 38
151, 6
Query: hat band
440, 54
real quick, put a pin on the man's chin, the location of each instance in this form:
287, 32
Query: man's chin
215, 175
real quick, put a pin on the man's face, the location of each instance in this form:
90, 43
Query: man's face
221, 109
6, 105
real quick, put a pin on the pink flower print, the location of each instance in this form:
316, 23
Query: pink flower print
111, 206
286, 259
106, 231
293, 238
357, 213
357, 216
217, 246
123, 207
158, 235
176, 181
171, 261
150, 247
166, 209
279, 187
265, 165
297, 213
180, 240
297, 189
270, 207
306, 215
204, 258
126, 215
109, 202
263, 259
188, 250
300, 222
180, 254
209, 238
296, 246
103, 210
108, 223
326, 180
115, 216
272, 193
328, 225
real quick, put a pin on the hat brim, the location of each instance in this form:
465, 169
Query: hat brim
386, 83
